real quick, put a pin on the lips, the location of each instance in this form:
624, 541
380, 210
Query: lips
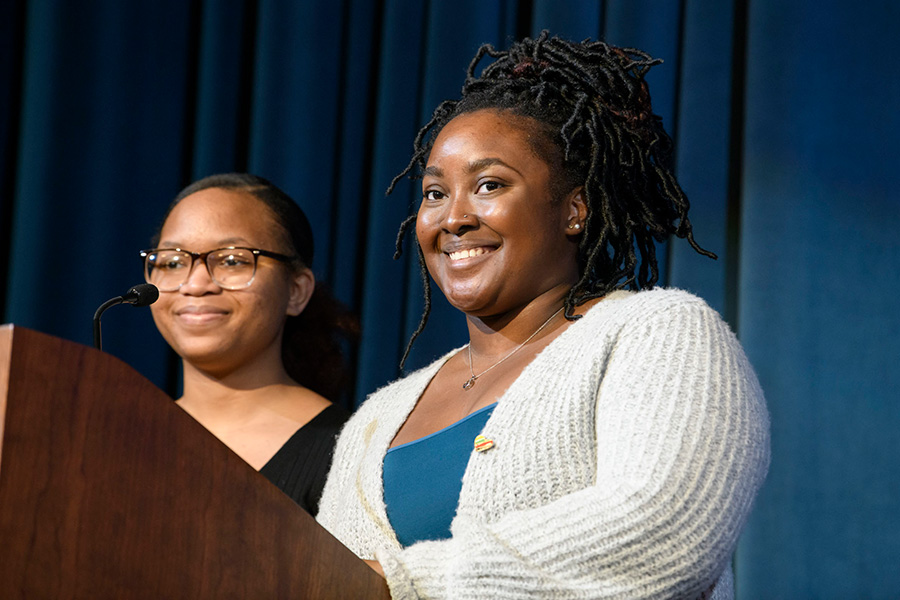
460, 252
200, 314
199, 310
470, 253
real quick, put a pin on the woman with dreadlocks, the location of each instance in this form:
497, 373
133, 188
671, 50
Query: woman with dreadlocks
596, 438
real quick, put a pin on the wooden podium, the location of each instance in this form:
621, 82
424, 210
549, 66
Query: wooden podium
109, 490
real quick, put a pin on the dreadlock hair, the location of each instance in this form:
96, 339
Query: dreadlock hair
588, 109
311, 348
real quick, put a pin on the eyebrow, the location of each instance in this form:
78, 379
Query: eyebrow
473, 167
487, 162
232, 241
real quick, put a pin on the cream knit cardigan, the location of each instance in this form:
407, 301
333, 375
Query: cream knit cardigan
625, 462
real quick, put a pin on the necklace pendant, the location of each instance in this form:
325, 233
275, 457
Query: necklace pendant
467, 385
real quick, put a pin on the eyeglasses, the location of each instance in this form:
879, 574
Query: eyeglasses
230, 268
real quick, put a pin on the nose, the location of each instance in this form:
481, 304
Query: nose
199, 281
460, 215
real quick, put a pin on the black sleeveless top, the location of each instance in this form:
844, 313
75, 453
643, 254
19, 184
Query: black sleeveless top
300, 467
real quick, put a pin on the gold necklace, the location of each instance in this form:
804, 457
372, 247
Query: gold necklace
471, 381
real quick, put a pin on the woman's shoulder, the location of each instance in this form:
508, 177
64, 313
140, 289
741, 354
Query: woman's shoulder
332, 416
658, 297
628, 305
668, 311
400, 394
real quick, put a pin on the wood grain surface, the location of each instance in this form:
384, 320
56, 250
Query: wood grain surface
109, 490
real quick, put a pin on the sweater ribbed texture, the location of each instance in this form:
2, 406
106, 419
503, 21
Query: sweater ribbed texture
625, 462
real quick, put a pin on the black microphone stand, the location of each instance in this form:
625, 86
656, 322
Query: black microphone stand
98, 344
142, 294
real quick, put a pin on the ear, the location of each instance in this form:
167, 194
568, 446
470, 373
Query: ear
302, 283
577, 211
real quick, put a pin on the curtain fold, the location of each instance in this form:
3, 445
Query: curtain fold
819, 276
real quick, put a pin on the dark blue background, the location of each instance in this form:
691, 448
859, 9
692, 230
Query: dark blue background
785, 118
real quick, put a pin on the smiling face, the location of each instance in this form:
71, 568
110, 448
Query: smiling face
218, 330
493, 237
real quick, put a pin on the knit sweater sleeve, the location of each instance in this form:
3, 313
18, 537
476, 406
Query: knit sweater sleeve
682, 449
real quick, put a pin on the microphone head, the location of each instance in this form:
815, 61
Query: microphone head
143, 294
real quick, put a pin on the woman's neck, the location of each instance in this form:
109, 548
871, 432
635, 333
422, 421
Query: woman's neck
241, 390
253, 414
497, 335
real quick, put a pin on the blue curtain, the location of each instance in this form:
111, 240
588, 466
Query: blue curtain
785, 116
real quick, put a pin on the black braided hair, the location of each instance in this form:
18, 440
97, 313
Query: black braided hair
588, 106
311, 347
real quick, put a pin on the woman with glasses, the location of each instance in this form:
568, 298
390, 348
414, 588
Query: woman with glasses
259, 339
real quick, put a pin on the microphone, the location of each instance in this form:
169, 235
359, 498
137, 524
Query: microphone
143, 294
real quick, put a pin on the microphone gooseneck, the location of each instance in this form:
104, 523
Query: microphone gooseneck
143, 294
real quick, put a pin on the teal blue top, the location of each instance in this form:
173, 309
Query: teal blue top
423, 479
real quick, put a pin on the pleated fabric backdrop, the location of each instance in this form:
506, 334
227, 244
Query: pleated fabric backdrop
785, 114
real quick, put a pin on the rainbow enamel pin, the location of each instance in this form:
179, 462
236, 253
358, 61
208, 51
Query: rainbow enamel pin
483, 444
